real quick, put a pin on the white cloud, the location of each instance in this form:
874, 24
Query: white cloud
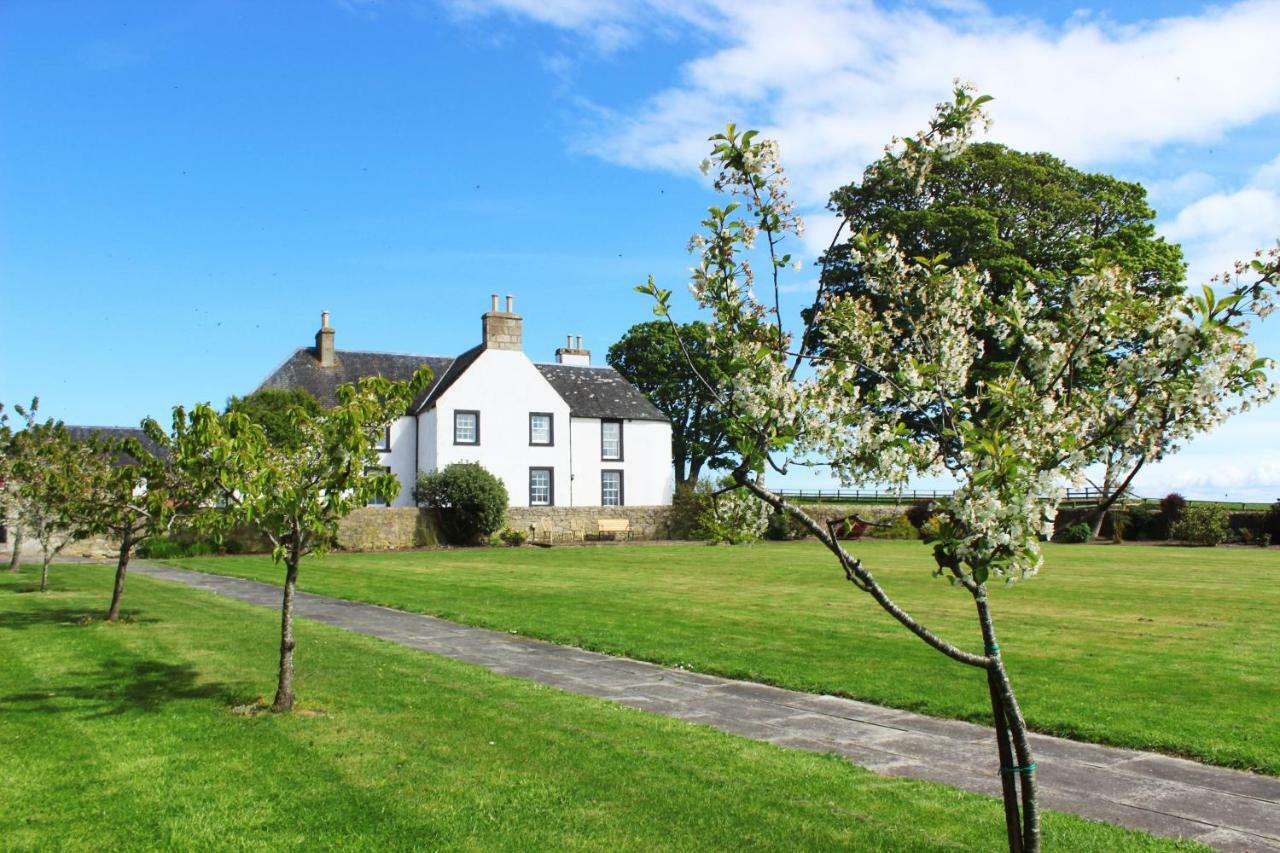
834, 80
1223, 227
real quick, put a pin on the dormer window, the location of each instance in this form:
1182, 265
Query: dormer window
466, 427
611, 440
541, 428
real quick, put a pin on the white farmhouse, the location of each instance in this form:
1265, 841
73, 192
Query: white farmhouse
563, 434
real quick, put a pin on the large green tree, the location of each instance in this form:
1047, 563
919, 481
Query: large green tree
277, 411
674, 368
1018, 219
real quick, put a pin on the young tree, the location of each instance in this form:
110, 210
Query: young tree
10, 499
675, 370
52, 473
133, 492
1014, 217
294, 495
880, 386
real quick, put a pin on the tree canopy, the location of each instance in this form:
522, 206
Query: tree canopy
274, 409
1016, 216
676, 380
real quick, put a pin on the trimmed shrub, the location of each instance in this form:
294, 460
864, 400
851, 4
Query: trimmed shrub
1201, 525
688, 507
783, 526
1078, 533
900, 528
512, 537
919, 512
1271, 523
471, 502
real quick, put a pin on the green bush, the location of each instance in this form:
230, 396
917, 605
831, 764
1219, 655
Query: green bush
471, 502
1079, 532
783, 526
513, 537
900, 528
688, 508
1205, 524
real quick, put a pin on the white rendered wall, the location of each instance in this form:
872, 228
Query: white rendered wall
404, 438
504, 386
648, 477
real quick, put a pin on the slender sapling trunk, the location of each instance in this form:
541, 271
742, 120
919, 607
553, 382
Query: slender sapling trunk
284, 690
1009, 715
16, 557
44, 572
122, 566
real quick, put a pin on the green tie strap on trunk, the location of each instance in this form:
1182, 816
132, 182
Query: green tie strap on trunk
993, 648
1028, 769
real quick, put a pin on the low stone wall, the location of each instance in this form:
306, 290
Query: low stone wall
388, 528
647, 522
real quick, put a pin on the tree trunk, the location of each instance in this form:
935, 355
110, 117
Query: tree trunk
695, 470
284, 690
17, 550
44, 572
1008, 714
1008, 781
122, 566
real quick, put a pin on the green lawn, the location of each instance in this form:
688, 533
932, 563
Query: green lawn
1154, 647
122, 737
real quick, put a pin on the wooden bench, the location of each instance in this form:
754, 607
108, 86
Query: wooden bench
614, 527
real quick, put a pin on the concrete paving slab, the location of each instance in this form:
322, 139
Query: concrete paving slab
1226, 809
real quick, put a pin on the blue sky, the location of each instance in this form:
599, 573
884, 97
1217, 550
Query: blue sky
184, 187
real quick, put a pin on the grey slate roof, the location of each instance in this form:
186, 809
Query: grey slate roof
599, 392
591, 392
109, 433
303, 370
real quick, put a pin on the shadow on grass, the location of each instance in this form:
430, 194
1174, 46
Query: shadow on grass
122, 687
67, 617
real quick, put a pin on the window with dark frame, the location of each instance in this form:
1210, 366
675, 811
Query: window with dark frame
542, 490
466, 426
381, 469
384, 446
611, 493
542, 429
611, 440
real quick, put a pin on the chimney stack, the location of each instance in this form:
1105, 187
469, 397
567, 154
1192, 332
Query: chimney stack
324, 342
502, 329
573, 353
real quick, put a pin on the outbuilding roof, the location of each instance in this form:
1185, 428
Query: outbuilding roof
112, 433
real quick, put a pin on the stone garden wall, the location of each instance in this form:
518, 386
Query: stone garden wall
388, 528
647, 522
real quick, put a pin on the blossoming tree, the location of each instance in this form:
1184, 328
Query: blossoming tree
880, 386
294, 493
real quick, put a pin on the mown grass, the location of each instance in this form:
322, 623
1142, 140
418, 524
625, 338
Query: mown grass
122, 737
1153, 647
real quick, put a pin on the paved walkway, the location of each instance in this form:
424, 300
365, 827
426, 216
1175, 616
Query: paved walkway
1167, 796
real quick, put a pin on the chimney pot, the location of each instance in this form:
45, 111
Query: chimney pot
578, 342
568, 341
324, 319
510, 304
494, 297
